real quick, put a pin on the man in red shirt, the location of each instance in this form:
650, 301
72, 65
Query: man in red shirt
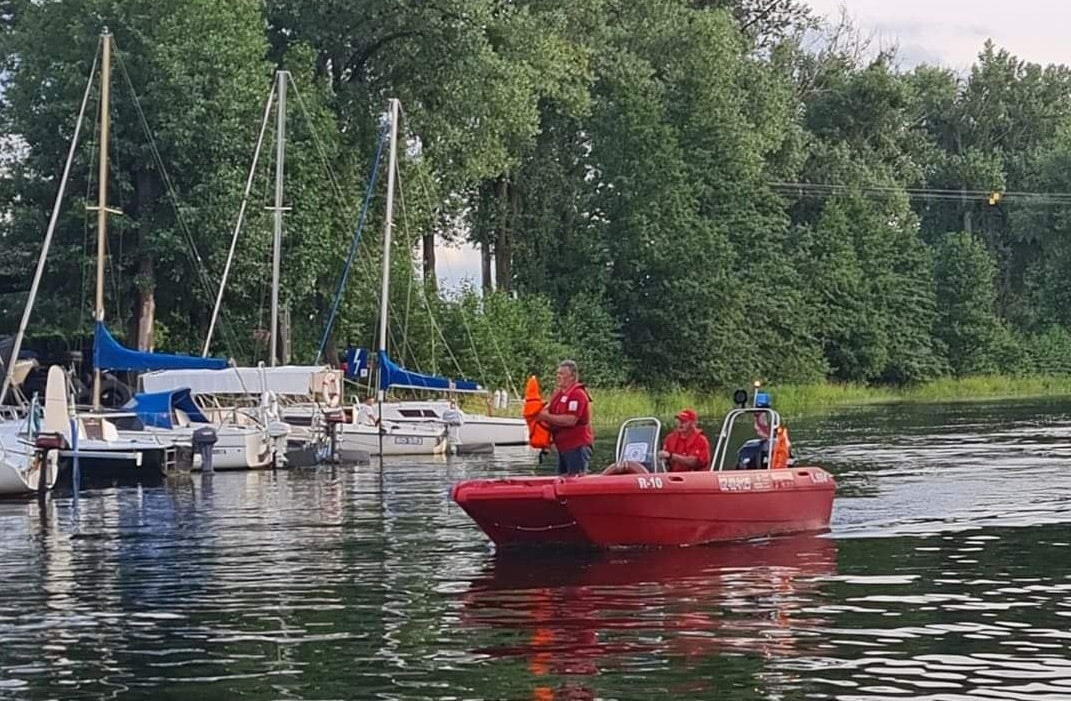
686, 448
568, 414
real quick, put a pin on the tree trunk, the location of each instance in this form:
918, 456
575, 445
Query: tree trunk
145, 189
146, 312
431, 282
503, 269
965, 202
485, 267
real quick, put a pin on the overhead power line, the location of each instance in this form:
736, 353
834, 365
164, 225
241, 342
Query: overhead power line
993, 197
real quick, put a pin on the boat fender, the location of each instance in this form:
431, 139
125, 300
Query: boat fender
549, 494
329, 390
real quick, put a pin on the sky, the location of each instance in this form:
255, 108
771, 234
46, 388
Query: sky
950, 33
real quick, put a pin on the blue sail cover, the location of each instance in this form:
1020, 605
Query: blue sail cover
155, 408
392, 375
109, 355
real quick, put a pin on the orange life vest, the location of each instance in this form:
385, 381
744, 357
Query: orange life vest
781, 448
539, 436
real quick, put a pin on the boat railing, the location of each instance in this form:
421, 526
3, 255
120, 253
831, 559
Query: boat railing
721, 450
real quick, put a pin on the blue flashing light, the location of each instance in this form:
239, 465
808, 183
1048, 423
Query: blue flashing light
762, 400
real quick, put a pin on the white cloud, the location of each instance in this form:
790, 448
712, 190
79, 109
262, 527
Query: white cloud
954, 31
456, 265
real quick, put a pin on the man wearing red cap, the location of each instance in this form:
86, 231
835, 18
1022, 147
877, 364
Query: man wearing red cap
686, 448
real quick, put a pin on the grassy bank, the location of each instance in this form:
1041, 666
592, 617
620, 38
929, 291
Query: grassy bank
612, 406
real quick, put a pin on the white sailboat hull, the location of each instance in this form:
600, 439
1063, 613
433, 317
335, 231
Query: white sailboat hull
476, 428
236, 448
399, 440
493, 429
17, 480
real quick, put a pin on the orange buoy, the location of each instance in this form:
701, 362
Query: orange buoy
538, 433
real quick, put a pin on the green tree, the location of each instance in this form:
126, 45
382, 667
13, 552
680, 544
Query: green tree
189, 65
967, 323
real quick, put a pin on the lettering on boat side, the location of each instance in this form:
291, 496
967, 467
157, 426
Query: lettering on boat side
649, 482
735, 484
408, 440
819, 477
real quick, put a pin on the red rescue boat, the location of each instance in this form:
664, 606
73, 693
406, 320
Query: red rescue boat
651, 507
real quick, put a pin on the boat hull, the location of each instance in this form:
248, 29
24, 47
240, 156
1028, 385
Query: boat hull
476, 428
495, 430
398, 442
236, 447
661, 509
518, 512
20, 472
15, 481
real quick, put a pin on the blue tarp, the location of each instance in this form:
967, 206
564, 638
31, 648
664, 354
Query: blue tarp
392, 375
155, 408
109, 355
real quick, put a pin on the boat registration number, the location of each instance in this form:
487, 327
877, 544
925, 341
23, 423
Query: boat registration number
649, 482
408, 440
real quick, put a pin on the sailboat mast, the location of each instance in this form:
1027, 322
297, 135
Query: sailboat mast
387, 228
36, 284
277, 243
102, 191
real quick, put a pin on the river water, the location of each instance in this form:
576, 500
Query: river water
944, 577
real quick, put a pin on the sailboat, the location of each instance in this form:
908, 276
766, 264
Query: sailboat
386, 437
141, 441
88, 439
473, 429
299, 390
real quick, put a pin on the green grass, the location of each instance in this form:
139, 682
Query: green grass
612, 406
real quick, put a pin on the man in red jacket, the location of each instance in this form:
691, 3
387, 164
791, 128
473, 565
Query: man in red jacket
568, 414
686, 448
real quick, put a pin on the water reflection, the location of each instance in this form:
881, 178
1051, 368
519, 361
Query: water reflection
584, 614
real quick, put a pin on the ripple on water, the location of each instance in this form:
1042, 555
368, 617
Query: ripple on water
943, 580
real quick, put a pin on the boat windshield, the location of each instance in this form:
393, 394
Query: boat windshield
637, 441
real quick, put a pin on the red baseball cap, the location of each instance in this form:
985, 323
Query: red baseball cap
687, 415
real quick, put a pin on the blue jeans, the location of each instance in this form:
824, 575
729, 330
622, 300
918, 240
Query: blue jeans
575, 461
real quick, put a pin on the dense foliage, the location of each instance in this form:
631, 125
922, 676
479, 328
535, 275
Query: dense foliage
674, 192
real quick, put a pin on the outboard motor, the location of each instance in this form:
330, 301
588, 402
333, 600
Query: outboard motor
203, 440
46, 457
279, 434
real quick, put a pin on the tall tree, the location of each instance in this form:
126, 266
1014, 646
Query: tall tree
183, 67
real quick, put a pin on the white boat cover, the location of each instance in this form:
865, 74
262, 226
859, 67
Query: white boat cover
287, 380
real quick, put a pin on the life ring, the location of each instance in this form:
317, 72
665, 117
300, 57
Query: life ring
329, 390
628, 467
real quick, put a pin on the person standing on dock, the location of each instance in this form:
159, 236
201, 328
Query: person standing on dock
568, 414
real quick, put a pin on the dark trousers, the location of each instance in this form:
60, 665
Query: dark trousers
574, 462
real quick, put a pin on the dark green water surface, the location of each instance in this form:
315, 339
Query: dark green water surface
944, 577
